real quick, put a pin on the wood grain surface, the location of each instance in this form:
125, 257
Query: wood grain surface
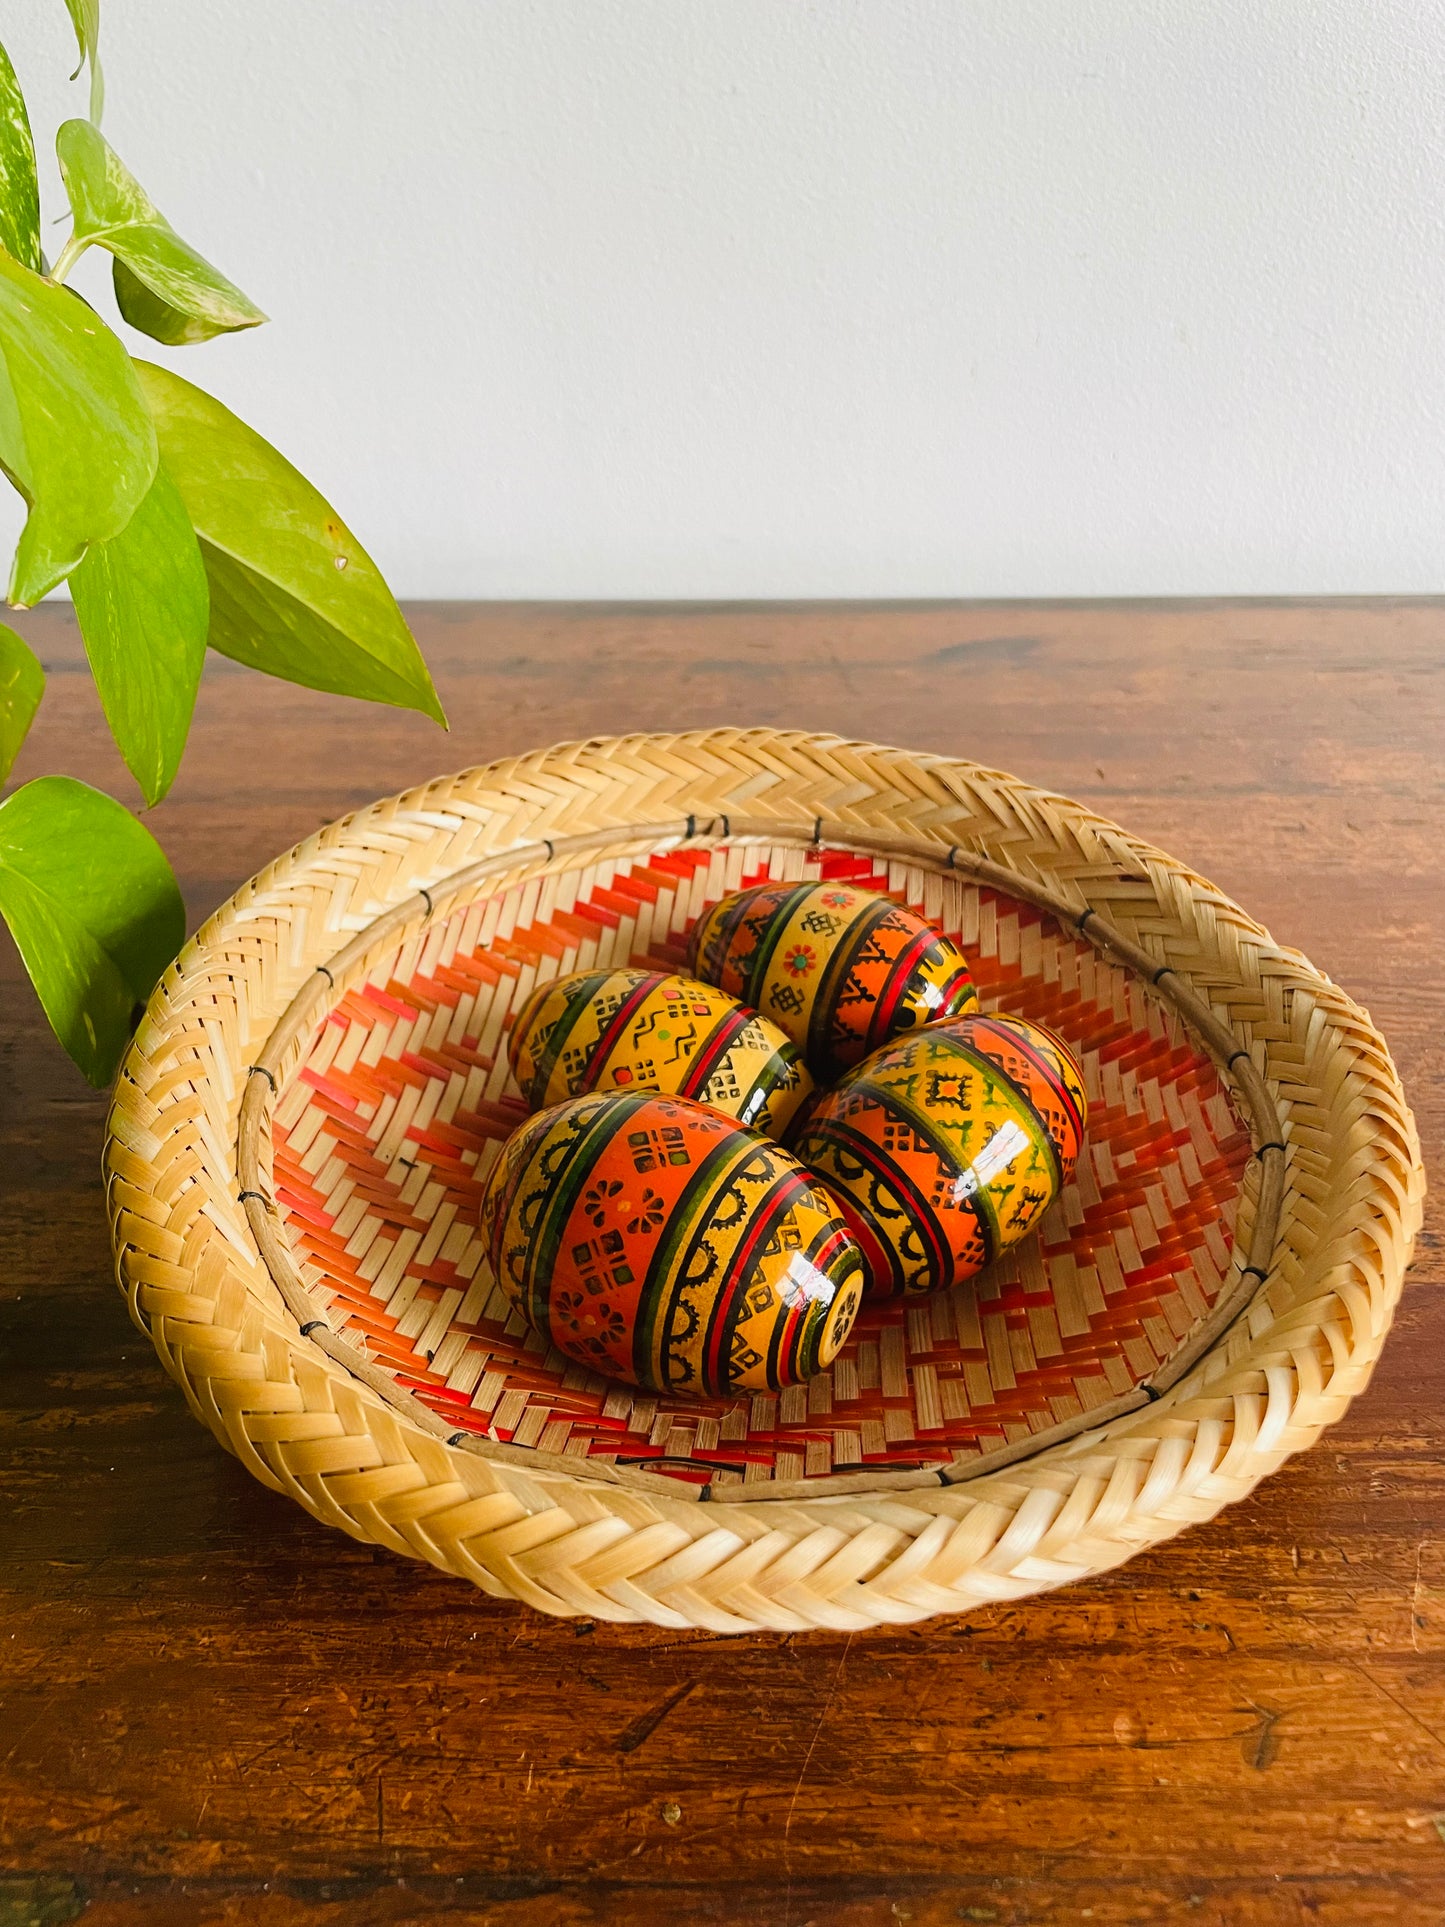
214, 1710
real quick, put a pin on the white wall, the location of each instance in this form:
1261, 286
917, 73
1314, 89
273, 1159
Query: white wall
680, 298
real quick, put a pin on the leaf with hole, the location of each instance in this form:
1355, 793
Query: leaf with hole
22, 684
143, 607
76, 437
94, 911
19, 191
293, 593
162, 285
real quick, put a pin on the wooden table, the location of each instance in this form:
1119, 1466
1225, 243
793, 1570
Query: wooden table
215, 1710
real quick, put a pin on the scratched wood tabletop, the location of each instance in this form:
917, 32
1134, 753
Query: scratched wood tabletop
212, 1709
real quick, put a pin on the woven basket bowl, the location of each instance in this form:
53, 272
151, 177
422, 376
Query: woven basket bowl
319, 1085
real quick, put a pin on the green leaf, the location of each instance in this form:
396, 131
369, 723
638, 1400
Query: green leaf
143, 607
293, 593
85, 18
94, 911
22, 684
76, 437
19, 191
162, 285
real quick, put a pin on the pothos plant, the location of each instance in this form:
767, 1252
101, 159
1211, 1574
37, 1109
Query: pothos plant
178, 528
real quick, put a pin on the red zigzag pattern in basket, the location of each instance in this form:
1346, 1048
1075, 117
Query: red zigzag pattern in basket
383, 1139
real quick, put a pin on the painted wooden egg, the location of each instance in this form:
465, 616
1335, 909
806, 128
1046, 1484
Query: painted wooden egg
946, 1147
638, 1030
840, 970
655, 1242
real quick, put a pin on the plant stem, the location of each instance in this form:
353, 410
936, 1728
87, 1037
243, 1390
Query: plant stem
67, 258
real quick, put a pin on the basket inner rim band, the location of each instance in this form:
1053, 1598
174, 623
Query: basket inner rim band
1232, 1059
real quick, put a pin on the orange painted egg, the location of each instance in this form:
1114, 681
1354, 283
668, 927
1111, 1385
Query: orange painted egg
945, 1148
655, 1242
840, 970
637, 1030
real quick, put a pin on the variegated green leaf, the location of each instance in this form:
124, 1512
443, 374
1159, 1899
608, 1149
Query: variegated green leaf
293, 593
94, 911
143, 608
76, 437
22, 684
19, 194
162, 285
85, 18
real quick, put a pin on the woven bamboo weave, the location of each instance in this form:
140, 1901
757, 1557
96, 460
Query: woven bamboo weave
301, 1125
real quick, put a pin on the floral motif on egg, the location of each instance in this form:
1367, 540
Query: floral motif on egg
841, 970
640, 1030
653, 1241
945, 1148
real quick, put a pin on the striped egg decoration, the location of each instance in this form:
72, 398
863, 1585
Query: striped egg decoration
946, 1147
652, 1241
841, 970
640, 1030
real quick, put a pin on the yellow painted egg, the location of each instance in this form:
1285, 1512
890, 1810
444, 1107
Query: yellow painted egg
638, 1030
946, 1147
841, 970
653, 1241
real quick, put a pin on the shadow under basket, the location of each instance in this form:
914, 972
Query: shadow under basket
301, 1132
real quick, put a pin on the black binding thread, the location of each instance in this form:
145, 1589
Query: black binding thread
1164, 970
457, 1438
1273, 1145
1082, 919
259, 1196
313, 1325
324, 972
426, 895
1150, 1393
260, 1070
691, 829
1230, 1062
673, 1458
1253, 1271
953, 850
727, 826
551, 856
817, 830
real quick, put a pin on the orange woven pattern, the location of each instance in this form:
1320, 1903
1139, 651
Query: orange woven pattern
383, 1140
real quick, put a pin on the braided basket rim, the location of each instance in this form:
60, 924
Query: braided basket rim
187, 1185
